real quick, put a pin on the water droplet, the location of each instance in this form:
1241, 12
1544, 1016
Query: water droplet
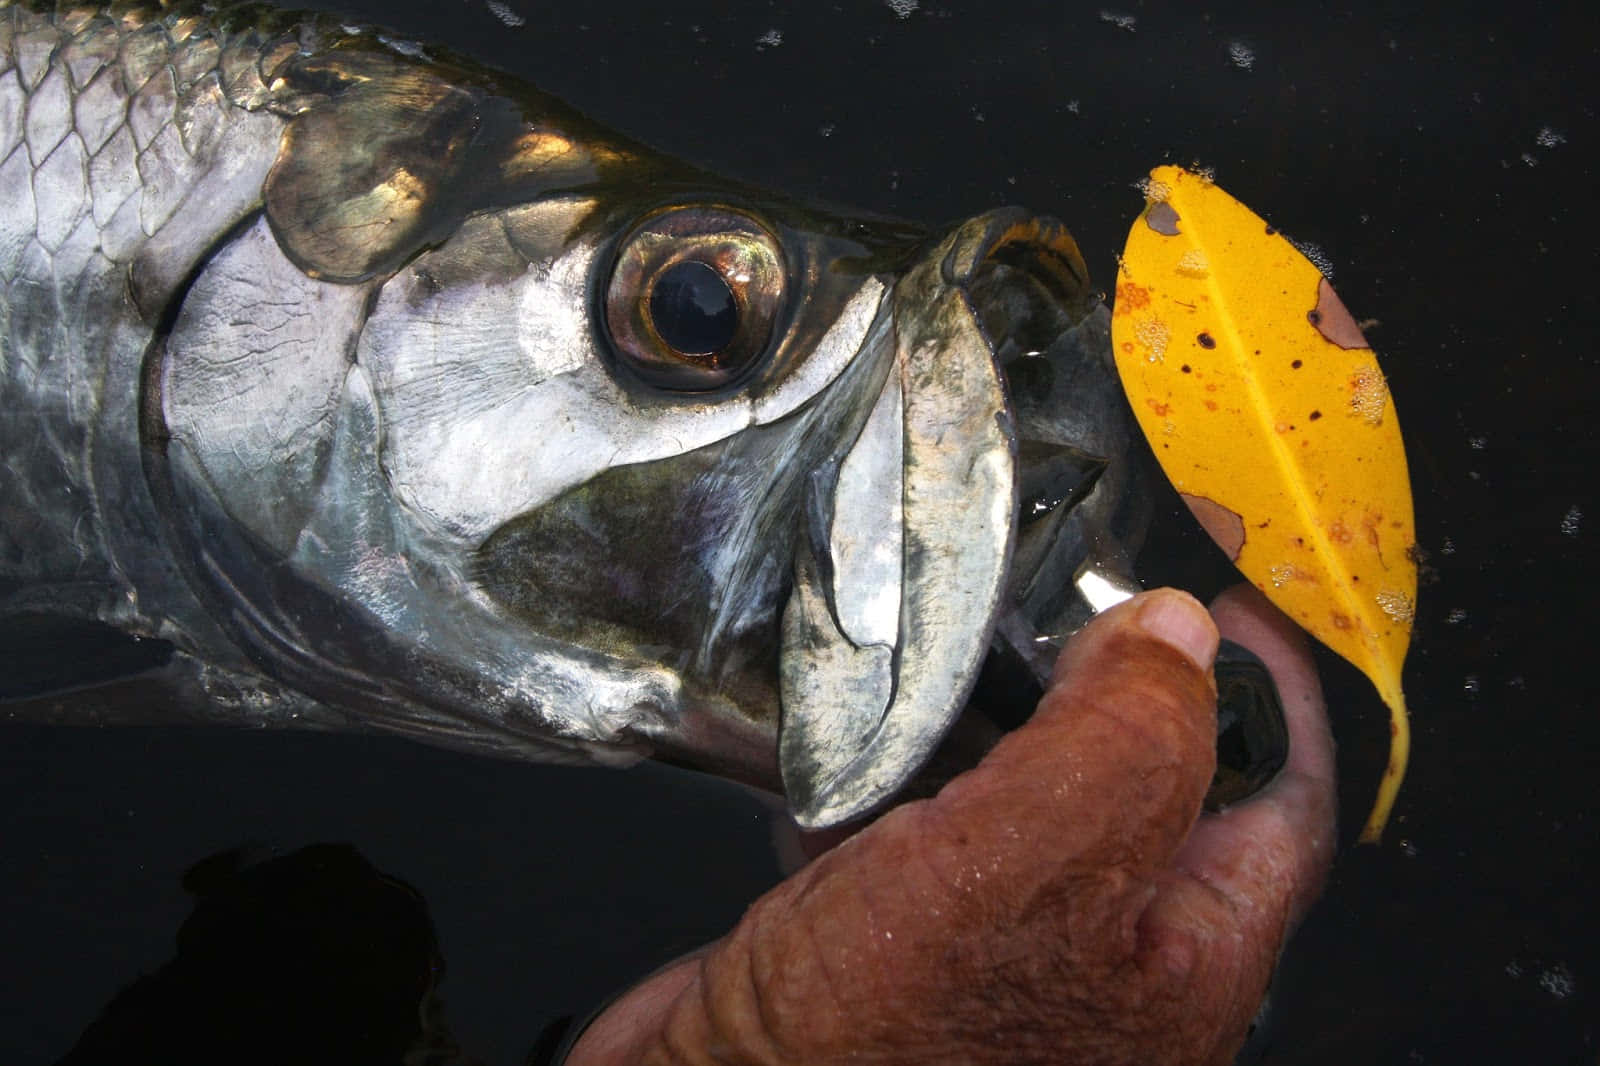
1448, 547
903, 8
1119, 20
1469, 685
1408, 849
1456, 616
1073, 106
1241, 55
771, 39
1281, 575
1569, 521
1478, 443
826, 129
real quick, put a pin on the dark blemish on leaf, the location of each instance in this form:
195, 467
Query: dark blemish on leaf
1297, 364
1222, 524
1333, 320
1163, 219
1270, 231
1315, 415
1185, 368
1313, 317
1206, 340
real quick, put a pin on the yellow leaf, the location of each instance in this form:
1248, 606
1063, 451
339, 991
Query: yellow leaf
1267, 410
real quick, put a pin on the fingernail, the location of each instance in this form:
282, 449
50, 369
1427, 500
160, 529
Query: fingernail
1176, 618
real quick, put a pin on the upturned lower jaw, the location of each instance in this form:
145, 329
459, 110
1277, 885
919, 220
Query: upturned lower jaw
899, 591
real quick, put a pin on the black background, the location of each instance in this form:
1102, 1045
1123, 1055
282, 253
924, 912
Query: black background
1405, 144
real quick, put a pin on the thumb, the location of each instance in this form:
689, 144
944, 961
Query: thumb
1114, 764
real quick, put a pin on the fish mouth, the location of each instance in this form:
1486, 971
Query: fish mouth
944, 543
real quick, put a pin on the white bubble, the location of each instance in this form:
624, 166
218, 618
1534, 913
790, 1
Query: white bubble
1570, 520
1448, 547
1073, 106
771, 39
1118, 19
1456, 616
1241, 55
1478, 443
1557, 981
826, 129
903, 8
1548, 138
505, 14
1318, 257
1470, 685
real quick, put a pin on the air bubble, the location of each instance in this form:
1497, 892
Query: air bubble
1155, 192
903, 8
1118, 19
1570, 520
1281, 575
1557, 981
1241, 55
1154, 336
1369, 395
1397, 605
1193, 263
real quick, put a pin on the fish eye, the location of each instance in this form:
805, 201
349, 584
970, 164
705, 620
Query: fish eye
694, 297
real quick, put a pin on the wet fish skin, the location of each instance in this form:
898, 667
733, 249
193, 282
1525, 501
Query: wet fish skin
305, 394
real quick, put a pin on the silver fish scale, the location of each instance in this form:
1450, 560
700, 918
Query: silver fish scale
128, 144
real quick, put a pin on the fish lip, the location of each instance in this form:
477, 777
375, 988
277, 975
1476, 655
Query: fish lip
839, 774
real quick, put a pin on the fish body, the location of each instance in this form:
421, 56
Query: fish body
348, 385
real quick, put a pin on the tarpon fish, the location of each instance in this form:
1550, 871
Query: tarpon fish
349, 385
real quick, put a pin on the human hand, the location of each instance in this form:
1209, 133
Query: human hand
1063, 902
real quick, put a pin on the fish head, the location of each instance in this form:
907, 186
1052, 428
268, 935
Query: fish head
613, 459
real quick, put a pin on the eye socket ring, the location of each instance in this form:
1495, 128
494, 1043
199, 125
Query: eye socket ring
694, 296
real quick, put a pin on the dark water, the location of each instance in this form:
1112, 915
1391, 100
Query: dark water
1443, 160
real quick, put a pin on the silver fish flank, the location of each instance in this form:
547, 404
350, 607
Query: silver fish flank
347, 385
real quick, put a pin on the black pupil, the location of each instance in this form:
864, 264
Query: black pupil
693, 309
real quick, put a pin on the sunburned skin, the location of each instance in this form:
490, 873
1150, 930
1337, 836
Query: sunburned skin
1065, 901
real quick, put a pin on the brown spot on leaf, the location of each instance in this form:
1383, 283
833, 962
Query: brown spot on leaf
1130, 297
1206, 340
1315, 415
1341, 620
1221, 524
1333, 321
1211, 405
1184, 368
1163, 219
1158, 407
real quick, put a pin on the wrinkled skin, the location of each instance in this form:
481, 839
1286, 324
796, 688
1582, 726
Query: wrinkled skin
1065, 901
